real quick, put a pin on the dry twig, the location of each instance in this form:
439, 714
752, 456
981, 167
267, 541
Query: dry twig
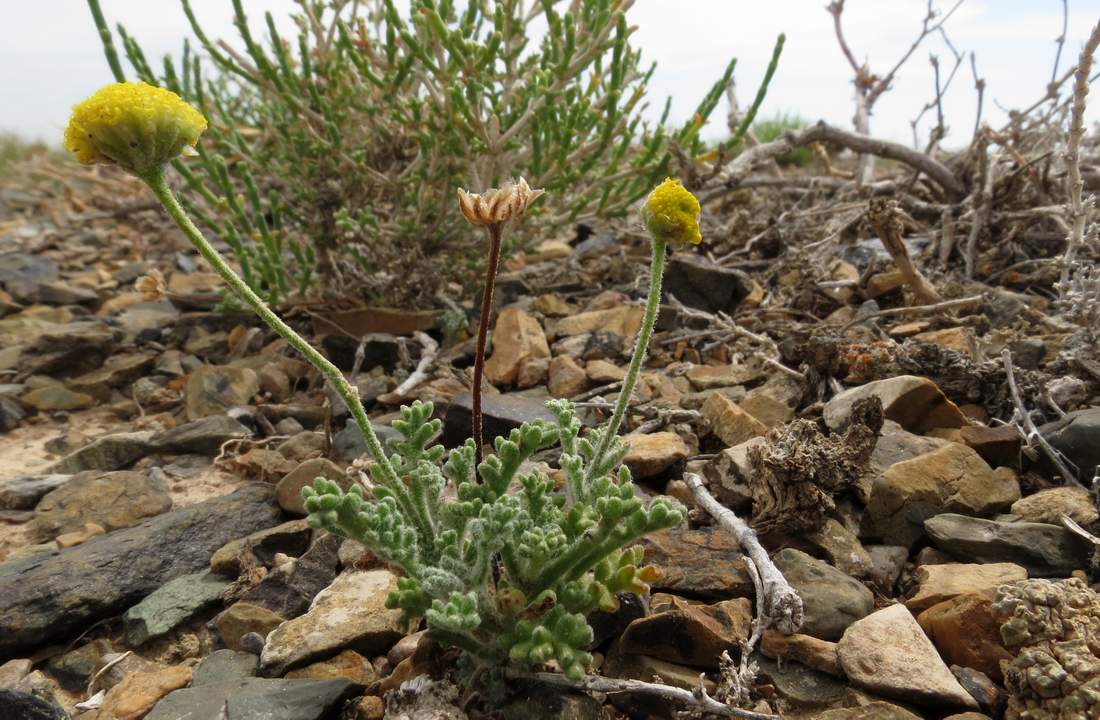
886, 218
1076, 211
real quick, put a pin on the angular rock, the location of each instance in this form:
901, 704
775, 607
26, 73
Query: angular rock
74, 668
213, 389
952, 478
168, 606
991, 697
289, 538
887, 562
517, 338
842, 548
350, 612
965, 633
699, 563
204, 436
1043, 550
288, 491
19, 705
57, 397
689, 633
699, 283
110, 452
116, 372
348, 665
255, 698
602, 372
349, 444
831, 600
806, 649
729, 474
937, 583
653, 453
888, 654
139, 692
113, 500
1075, 437
999, 445
876, 710
623, 321
49, 596
566, 377
242, 618
501, 414
800, 686
24, 491
913, 402
223, 666
729, 422
289, 589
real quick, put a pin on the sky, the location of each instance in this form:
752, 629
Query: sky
51, 55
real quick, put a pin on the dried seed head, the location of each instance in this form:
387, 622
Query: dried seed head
671, 213
134, 125
497, 205
151, 286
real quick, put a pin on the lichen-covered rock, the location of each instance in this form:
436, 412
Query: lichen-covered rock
1054, 629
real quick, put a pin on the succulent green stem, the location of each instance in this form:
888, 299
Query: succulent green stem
641, 346
159, 185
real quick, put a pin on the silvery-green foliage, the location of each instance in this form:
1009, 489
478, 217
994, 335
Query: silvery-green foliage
496, 560
338, 147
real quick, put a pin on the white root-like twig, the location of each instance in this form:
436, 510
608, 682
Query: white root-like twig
696, 698
947, 305
430, 348
1076, 213
782, 606
1029, 431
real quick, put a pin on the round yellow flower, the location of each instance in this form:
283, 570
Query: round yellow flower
134, 125
671, 213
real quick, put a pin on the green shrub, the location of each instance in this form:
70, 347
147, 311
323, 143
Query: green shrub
771, 128
340, 148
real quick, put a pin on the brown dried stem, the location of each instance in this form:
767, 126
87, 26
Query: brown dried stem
886, 218
494, 231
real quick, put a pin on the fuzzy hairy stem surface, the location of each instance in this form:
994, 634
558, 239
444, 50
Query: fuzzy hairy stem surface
495, 233
641, 347
159, 185
1074, 184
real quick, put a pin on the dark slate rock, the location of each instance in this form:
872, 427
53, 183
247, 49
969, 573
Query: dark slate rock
699, 283
21, 275
73, 669
205, 436
348, 444
168, 606
24, 492
1077, 436
831, 600
1044, 550
110, 452
501, 413
379, 350
16, 705
52, 595
223, 666
11, 413
256, 699
289, 589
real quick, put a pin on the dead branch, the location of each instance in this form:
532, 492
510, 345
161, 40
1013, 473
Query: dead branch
916, 310
427, 356
981, 200
1029, 431
697, 698
782, 605
1075, 212
823, 132
886, 218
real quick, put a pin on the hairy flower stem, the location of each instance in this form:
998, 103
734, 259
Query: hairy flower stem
495, 232
159, 185
641, 346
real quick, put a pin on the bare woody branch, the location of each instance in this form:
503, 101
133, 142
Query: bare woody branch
822, 132
886, 218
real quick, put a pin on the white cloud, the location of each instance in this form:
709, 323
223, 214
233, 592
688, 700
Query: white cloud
51, 56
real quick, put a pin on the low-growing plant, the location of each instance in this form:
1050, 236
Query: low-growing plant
338, 148
498, 560
770, 129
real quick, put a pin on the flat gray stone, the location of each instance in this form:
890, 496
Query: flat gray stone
111, 452
223, 666
170, 605
51, 596
1043, 550
831, 600
24, 492
204, 436
256, 699
112, 500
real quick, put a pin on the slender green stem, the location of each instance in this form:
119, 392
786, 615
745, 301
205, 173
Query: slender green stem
108, 43
495, 232
159, 185
645, 332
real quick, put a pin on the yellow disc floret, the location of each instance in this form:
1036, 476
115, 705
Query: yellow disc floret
134, 125
671, 213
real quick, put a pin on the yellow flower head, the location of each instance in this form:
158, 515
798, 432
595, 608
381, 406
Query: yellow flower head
671, 213
134, 125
